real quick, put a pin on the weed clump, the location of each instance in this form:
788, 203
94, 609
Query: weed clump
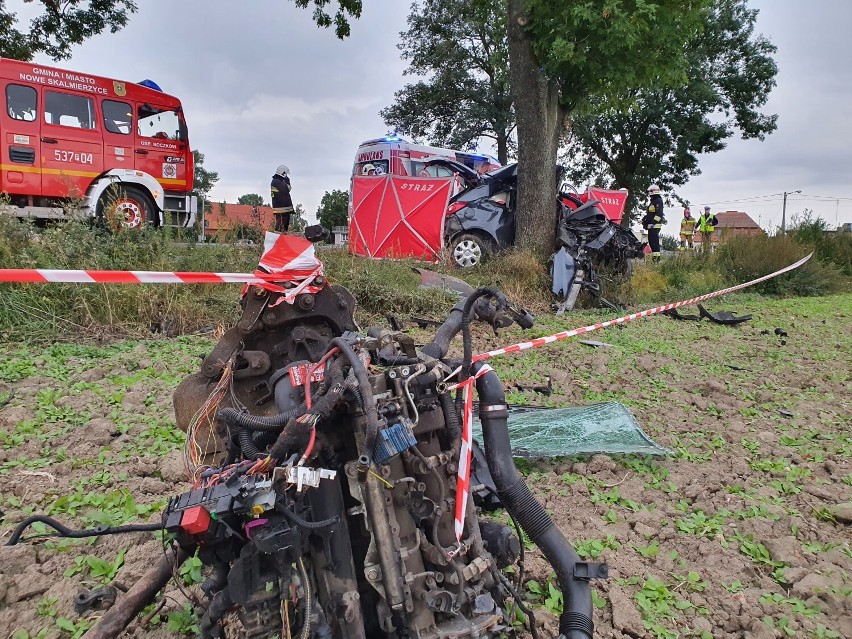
747, 258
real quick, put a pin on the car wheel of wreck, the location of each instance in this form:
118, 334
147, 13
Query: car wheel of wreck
469, 250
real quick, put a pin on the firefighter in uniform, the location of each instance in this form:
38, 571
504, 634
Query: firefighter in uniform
687, 230
282, 203
654, 220
707, 223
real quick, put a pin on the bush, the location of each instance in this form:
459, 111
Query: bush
384, 287
831, 247
747, 258
35, 310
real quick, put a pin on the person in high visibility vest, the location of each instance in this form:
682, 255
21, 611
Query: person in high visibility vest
707, 223
654, 220
282, 203
687, 230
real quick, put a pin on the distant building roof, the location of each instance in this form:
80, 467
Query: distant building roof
735, 220
234, 214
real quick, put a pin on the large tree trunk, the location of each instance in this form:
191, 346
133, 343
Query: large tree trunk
540, 124
502, 148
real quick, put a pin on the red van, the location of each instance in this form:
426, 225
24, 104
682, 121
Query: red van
109, 144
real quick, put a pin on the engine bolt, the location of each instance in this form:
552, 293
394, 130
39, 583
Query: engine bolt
451, 468
406, 371
372, 574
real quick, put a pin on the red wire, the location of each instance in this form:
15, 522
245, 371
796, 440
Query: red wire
310, 374
310, 447
308, 378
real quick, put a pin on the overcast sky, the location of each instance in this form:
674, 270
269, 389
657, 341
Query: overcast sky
261, 85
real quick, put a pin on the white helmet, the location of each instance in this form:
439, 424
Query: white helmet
365, 170
653, 189
282, 170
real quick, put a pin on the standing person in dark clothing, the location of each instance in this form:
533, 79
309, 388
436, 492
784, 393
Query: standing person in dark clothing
282, 204
654, 220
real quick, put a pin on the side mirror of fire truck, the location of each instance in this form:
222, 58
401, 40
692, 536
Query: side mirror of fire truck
182, 133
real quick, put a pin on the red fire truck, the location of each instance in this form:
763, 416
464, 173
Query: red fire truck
121, 148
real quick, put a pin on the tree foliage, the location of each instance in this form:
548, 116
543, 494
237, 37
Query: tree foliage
340, 19
656, 134
59, 26
203, 180
566, 53
298, 219
459, 49
252, 199
334, 209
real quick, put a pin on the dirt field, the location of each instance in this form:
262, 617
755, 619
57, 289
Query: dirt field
745, 532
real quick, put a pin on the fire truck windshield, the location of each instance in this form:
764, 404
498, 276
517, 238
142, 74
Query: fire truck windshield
155, 122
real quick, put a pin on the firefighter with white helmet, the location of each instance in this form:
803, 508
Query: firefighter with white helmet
368, 169
654, 220
282, 203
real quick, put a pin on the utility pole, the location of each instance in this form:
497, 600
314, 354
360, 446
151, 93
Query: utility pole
784, 212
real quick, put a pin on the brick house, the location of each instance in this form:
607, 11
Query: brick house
733, 224
223, 217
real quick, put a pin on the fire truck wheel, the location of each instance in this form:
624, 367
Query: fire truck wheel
126, 207
470, 249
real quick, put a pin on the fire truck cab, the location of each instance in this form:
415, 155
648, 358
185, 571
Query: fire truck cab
117, 148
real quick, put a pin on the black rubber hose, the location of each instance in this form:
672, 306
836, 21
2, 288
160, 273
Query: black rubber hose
217, 579
369, 403
248, 421
467, 342
451, 416
440, 344
209, 625
294, 519
399, 360
249, 449
64, 531
576, 620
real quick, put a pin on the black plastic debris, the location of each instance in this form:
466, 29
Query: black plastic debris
424, 322
98, 599
784, 412
674, 314
780, 332
544, 390
727, 318
595, 344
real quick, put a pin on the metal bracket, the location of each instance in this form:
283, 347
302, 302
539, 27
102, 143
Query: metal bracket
303, 476
591, 570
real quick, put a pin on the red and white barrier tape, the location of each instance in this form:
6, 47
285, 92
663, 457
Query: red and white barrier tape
44, 276
463, 480
541, 341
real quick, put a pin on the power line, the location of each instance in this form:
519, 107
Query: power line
747, 199
825, 197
